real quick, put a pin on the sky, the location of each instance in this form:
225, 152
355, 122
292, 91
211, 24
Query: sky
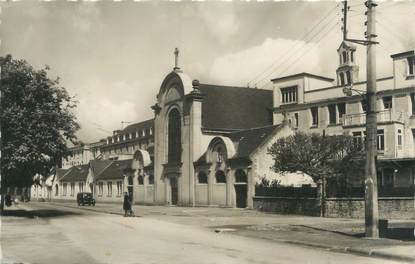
113, 56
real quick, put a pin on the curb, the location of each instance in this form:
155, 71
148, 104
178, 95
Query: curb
91, 209
356, 251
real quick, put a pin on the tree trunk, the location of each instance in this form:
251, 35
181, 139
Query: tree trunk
321, 195
2, 201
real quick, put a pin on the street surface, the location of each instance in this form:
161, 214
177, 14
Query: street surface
56, 234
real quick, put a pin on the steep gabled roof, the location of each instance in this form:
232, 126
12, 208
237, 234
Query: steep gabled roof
76, 173
60, 173
249, 140
115, 170
226, 107
98, 166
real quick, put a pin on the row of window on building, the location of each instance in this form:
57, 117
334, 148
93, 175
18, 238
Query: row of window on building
131, 148
337, 111
109, 189
220, 177
127, 136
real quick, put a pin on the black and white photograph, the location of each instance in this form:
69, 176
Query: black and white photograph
207, 132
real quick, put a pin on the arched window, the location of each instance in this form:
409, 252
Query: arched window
344, 56
174, 137
220, 176
348, 77
341, 78
202, 177
240, 176
140, 180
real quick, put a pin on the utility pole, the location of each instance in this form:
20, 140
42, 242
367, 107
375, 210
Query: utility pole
371, 187
344, 29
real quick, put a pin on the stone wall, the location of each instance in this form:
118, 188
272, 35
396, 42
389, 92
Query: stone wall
288, 205
389, 208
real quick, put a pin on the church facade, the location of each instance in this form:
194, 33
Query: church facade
208, 140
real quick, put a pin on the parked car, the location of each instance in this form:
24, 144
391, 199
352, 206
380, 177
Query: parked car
85, 198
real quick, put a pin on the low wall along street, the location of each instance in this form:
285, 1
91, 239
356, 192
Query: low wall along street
390, 207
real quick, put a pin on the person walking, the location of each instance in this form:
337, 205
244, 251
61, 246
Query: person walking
127, 204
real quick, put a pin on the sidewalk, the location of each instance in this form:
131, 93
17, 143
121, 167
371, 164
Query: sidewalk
336, 234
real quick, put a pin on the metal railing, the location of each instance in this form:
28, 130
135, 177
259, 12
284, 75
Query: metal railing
382, 116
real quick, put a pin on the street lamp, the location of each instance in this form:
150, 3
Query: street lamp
348, 90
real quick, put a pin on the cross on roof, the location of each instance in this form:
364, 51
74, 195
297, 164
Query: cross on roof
176, 59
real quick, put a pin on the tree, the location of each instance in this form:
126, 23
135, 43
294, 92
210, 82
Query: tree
319, 156
36, 122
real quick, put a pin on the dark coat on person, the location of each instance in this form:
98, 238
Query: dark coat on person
127, 203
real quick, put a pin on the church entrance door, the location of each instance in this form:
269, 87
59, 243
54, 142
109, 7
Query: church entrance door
241, 195
174, 191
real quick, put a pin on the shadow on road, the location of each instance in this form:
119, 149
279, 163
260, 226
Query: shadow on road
41, 213
401, 233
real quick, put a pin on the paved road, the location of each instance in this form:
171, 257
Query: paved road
67, 235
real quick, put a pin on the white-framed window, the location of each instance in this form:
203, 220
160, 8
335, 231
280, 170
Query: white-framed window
109, 189
289, 94
399, 137
411, 62
381, 140
100, 188
65, 189
387, 102
341, 109
119, 188
314, 116
296, 122
332, 114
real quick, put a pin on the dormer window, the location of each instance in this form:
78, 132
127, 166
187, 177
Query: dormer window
289, 94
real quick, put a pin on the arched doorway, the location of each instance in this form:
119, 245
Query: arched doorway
174, 151
174, 190
241, 188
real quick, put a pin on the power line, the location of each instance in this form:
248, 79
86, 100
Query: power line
309, 49
295, 51
287, 51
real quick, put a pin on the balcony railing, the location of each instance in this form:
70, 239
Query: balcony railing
382, 116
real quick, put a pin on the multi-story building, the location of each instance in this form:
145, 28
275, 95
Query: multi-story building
82, 154
314, 104
124, 143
